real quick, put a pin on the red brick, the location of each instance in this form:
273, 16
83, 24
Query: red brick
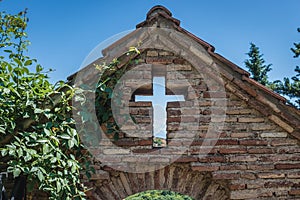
232, 150
174, 119
142, 111
253, 142
277, 184
185, 159
145, 142
293, 175
214, 94
294, 192
165, 53
261, 150
173, 105
241, 135
174, 127
280, 157
235, 111
179, 61
176, 112
284, 142
237, 186
140, 104
204, 119
191, 111
172, 151
227, 142
202, 87
288, 166
159, 60
248, 175
270, 175
206, 112
233, 167
246, 158
266, 194
255, 184
261, 167
188, 119
226, 176
288, 150
183, 67
127, 143
144, 151
281, 123
205, 168
250, 120
152, 53
201, 150
212, 159
204, 142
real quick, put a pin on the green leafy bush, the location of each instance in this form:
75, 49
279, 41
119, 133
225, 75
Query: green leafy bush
158, 195
37, 134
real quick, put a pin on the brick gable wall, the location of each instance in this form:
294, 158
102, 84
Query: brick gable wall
249, 156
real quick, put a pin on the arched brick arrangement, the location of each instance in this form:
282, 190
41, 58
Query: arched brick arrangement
178, 178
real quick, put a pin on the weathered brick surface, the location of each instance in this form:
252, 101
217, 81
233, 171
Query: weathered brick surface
232, 141
217, 133
230, 138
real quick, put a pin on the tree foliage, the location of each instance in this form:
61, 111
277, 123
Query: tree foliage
291, 86
158, 195
296, 49
37, 134
256, 65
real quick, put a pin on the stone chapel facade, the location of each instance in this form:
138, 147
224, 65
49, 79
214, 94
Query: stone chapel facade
230, 138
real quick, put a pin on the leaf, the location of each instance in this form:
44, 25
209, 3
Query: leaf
53, 160
20, 152
47, 132
71, 144
38, 111
4, 152
44, 140
40, 176
72, 156
58, 186
46, 148
70, 163
16, 172
6, 91
64, 136
28, 62
27, 157
33, 169
2, 130
38, 68
18, 61
73, 168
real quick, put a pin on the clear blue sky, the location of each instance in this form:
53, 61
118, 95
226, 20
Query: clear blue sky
63, 32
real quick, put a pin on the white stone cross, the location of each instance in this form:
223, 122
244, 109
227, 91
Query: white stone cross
159, 103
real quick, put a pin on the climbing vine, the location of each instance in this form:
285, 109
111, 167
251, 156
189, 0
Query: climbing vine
38, 138
104, 89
